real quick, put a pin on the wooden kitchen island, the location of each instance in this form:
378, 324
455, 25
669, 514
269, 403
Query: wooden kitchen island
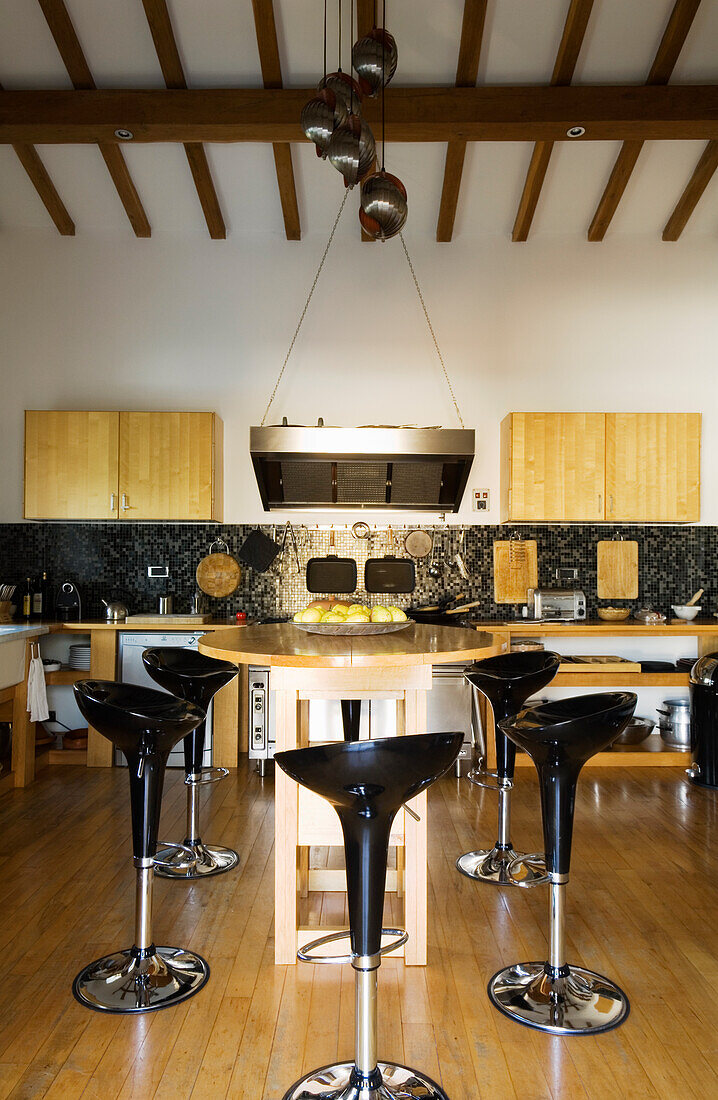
310, 666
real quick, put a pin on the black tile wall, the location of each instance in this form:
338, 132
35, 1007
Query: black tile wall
111, 559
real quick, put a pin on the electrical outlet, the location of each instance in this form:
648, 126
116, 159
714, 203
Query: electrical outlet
481, 500
158, 572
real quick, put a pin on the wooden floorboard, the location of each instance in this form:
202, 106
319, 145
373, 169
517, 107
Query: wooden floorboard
641, 905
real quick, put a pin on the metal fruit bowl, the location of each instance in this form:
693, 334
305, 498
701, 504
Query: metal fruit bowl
637, 730
353, 629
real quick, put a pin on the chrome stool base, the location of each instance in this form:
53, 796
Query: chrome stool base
127, 982
503, 867
579, 1003
210, 859
342, 1082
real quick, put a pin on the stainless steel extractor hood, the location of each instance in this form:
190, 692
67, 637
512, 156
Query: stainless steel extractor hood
373, 468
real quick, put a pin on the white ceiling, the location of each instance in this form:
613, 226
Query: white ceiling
218, 48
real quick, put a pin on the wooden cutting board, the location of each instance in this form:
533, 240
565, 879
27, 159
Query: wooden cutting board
617, 566
515, 570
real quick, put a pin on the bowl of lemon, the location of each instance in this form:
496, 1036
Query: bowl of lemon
340, 617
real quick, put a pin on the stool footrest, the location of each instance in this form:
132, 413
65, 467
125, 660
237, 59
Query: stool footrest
490, 781
164, 846
534, 861
206, 775
304, 953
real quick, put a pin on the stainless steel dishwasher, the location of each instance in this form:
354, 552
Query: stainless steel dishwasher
132, 671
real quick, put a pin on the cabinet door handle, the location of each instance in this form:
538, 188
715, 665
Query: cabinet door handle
113, 498
600, 504
125, 502
610, 504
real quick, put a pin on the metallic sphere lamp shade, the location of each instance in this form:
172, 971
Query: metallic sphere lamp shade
384, 206
374, 58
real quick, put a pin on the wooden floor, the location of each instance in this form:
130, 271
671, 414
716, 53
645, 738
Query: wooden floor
643, 909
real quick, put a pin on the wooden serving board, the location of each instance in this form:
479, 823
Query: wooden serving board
617, 566
515, 570
599, 663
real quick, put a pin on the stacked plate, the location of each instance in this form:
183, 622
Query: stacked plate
79, 657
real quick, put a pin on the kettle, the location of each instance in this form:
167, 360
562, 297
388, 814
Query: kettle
115, 612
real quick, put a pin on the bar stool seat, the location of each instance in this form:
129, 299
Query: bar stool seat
507, 680
560, 737
367, 783
197, 678
145, 725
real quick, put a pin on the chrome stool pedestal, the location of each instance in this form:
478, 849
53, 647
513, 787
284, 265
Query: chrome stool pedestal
554, 996
197, 678
367, 782
209, 859
507, 681
143, 976
145, 725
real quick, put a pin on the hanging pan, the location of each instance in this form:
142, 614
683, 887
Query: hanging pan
389, 574
218, 574
418, 543
331, 573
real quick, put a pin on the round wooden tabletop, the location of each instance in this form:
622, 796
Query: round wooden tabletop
284, 644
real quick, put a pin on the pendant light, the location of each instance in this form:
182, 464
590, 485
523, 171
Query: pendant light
384, 207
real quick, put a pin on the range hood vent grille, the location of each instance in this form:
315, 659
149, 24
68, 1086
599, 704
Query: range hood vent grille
320, 469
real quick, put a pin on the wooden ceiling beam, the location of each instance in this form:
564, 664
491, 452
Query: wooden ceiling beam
702, 175
68, 44
421, 114
674, 36
160, 24
38, 175
268, 45
572, 38
467, 69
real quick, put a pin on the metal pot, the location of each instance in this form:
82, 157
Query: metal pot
675, 723
637, 730
115, 612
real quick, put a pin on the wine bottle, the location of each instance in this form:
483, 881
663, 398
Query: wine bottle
27, 599
39, 598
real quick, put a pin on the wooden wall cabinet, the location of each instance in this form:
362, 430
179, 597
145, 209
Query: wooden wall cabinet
600, 467
653, 466
553, 467
123, 465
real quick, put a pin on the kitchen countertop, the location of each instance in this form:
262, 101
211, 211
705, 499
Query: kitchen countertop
628, 627
88, 625
10, 632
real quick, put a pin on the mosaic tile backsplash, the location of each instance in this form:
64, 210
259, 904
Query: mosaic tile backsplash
111, 559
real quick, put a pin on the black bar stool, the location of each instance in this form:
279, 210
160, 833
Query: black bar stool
367, 782
197, 678
560, 737
507, 681
145, 725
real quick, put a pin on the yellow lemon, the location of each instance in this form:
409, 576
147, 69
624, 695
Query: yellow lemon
380, 614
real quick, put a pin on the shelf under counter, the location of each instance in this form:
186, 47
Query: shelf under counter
651, 753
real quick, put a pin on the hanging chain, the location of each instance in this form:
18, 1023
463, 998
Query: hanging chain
431, 327
306, 307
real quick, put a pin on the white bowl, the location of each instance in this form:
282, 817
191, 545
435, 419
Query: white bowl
683, 611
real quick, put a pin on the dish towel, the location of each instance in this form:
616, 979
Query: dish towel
36, 691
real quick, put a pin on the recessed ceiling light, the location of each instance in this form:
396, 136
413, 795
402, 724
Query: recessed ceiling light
576, 131
126, 135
